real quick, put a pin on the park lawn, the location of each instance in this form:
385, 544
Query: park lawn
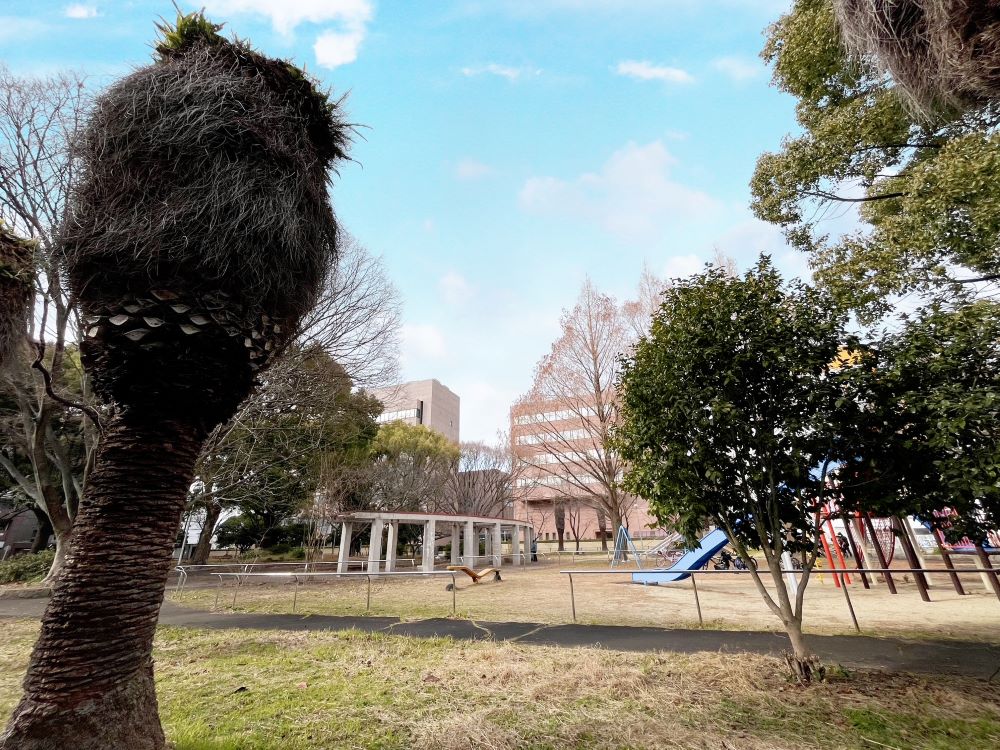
255, 690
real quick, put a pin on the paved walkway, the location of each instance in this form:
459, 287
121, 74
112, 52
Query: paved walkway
979, 660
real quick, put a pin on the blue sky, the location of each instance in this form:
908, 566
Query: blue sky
511, 148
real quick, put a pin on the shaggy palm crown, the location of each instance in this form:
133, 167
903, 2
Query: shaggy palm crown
201, 229
944, 54
15, 290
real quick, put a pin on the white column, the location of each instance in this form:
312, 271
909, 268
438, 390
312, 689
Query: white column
526, 542
375, 545
468, 550
455, 541
429, 532
497, 545
344, 556
390, 546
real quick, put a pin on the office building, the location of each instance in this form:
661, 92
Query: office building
425, 402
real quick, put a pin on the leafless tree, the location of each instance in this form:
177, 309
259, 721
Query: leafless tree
483, 482
357, 318
579, 523
571, 408
48, 443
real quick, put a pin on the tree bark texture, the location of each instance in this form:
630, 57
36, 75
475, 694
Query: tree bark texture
90, 679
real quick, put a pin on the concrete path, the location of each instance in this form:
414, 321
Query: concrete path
979, 660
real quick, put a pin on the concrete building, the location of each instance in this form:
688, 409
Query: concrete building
474, 541
559, 484
425, 402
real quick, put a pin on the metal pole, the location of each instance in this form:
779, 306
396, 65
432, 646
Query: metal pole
454, 585
368, 604
217, 591
295, 595
572, 596
697, 601
850, 607
236, 590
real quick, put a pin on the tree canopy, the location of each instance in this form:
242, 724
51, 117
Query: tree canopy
925, 191
728, 412
924, 439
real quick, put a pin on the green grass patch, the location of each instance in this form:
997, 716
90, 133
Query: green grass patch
269, 690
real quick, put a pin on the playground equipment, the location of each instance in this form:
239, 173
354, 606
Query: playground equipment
476, 576
623, 544
664, 546
695, 559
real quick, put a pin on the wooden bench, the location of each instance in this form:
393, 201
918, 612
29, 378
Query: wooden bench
474, 575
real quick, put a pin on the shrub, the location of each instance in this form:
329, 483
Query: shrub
26, 568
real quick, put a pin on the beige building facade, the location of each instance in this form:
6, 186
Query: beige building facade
425, 402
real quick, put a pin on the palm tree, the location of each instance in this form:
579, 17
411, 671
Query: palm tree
944, 54
16, 279
200, 231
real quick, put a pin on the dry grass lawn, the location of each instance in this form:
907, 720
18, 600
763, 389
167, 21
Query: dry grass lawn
541, 594
251, 690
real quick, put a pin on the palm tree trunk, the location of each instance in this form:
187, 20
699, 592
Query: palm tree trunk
90, 679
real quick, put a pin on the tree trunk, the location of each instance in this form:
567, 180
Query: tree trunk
41, 540
801, 661
89, 684
602, 528
204, 546
560, 518
62, 527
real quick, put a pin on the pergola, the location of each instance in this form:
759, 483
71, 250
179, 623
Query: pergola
465, 531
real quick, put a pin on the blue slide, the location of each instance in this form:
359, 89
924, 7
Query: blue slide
711, 545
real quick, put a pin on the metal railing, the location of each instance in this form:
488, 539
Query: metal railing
838, 574
297, 578
184, 571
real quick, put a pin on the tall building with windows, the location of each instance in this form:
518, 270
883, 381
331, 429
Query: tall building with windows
425, 402
565, 472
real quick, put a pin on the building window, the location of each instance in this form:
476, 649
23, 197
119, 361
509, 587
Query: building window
396, 416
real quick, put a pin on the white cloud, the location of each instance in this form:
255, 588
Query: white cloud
79, 10
503, 71
682, 266
644, 70
422, 341
738, 68
470, 169
631, 196
334, 46
455, 289
428, 225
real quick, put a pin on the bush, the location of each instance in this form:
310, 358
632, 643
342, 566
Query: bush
297, 553
279, 549
26, 568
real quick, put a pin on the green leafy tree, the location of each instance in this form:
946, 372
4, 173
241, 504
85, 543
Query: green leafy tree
269, 461
926, 192
728, 411
924, 435
200, 233
410, 466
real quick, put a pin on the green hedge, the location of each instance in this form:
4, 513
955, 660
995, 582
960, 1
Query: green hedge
26, 568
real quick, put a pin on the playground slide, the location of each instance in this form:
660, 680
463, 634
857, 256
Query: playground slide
709, 546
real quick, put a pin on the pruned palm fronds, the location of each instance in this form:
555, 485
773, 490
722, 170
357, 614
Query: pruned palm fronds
944, 54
